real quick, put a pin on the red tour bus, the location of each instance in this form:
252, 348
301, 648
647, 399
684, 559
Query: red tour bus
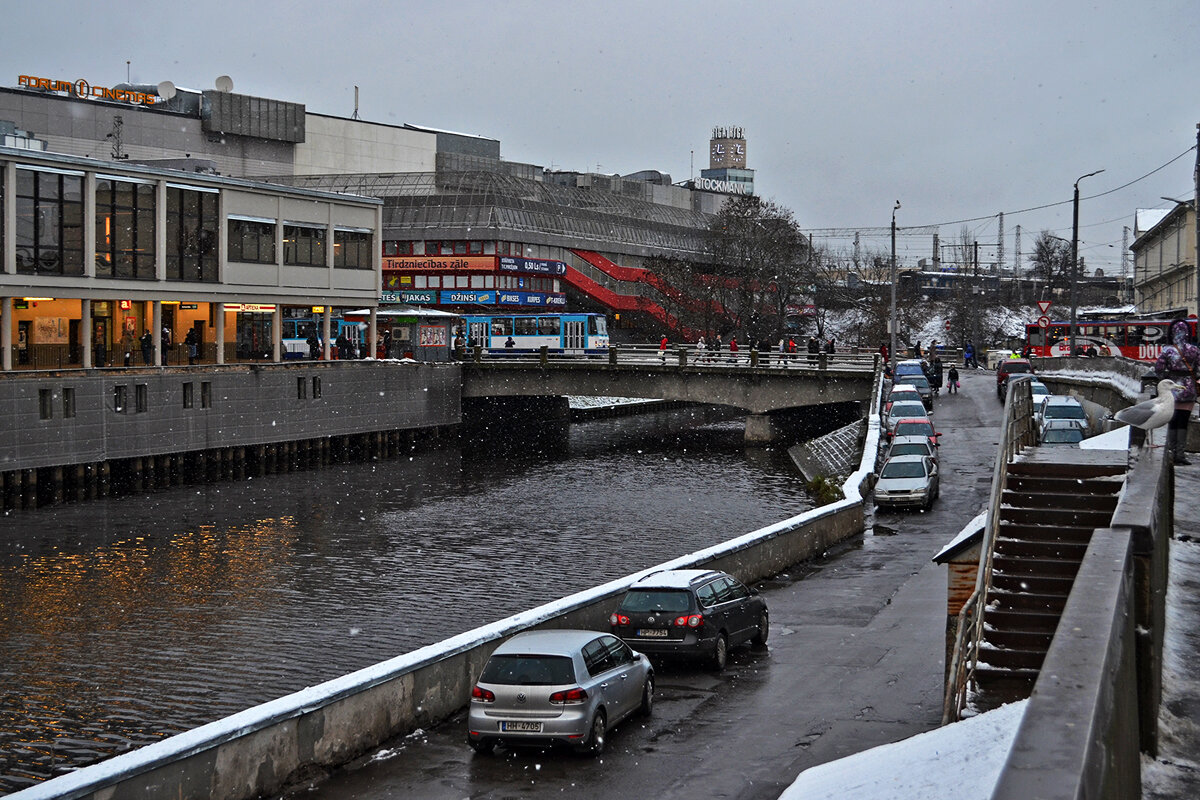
1139, 339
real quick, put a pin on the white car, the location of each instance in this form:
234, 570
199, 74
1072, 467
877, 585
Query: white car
905, 410
911, 446
907, 481
1061, 407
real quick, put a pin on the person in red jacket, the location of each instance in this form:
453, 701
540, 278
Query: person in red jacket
662, 350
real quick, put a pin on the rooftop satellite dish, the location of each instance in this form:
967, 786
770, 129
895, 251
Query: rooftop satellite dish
224, 84
166, 90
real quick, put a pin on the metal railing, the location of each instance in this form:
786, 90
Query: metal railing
1016, 433
685, 356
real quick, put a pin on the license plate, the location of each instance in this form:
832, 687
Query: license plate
653, 633
521, 727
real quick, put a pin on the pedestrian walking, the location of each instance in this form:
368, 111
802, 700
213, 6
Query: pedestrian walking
830, 348
192, 341
969, 356
952, 377
700, 349
733, 350
814, 347
936, 383
662, 350
1179, 361
147, 342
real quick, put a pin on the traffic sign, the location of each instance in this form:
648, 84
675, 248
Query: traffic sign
1043, 306
1043, 322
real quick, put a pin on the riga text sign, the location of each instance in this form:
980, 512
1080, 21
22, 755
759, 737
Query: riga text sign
83, 89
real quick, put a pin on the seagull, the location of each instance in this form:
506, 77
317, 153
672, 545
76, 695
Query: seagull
1154, 413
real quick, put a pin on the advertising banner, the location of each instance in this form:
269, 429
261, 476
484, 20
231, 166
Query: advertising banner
534, 266
457, 263
460, 296
433, 336
414, 296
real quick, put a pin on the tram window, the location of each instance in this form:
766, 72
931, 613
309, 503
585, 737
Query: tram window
1036, 337
549, 326
526, 326
502, 327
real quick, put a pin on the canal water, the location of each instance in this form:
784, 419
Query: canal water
126, 620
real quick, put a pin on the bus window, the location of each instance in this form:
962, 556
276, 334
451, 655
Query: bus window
502, 326
526, 326
1036, 337
549, 326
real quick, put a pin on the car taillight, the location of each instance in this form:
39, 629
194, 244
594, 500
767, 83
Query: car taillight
483, 695
689, 621
618, 619
569, 696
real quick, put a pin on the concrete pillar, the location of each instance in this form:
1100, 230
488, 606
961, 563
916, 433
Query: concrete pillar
219, 328
6, 356
85, 331
277, 333
156, 327
760, 429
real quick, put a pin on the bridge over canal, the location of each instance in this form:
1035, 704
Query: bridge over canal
767, 386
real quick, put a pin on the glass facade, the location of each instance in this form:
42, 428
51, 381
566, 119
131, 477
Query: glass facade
192, 220
352, 249
124, 229
251, 241
303, 246
49, 235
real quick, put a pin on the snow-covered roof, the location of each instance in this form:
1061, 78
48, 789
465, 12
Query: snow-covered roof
971, 530
961, 761
1147, 218
672, 578
427, 313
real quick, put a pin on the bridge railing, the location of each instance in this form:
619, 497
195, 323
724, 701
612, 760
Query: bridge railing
683, 356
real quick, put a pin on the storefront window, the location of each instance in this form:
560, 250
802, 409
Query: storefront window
251, 241
192, 220
49, 234
124, 229
303, 246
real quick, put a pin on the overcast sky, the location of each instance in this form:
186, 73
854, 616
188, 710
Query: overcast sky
959, 110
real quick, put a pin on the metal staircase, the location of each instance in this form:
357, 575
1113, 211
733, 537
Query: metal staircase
1052, 500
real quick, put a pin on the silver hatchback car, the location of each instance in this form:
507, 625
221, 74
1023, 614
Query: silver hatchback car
558, 687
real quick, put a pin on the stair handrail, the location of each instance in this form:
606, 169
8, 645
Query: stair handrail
1016, 433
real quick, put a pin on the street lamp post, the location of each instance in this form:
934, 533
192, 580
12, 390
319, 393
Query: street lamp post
1075, 259
892, 318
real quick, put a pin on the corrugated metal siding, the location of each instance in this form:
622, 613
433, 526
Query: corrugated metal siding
260, 117
961, 585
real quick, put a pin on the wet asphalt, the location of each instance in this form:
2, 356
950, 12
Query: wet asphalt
855, 659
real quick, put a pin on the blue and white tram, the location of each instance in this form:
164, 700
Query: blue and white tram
568, 334
297, 330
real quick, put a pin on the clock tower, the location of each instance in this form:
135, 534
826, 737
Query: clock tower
727, 172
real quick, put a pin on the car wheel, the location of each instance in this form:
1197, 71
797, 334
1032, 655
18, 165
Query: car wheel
720, 652
760, 635
597, 736
482, 746
647, 707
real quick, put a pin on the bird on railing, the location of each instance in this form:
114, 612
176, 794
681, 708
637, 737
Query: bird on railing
1153, 413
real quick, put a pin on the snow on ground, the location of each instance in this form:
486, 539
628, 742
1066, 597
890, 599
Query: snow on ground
956, 762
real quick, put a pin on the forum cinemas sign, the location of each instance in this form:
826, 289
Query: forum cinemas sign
725, 187
85, 90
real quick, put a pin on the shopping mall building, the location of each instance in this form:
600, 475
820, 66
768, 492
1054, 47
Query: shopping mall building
130, 209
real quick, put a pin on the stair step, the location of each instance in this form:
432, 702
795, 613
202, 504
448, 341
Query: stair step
1026, 567
1035, 584
1019, 548
1043, 500
1102, 486
1045, 533
1012, 659
1095, 469
1027, 601
1068, 517
1019, 640
1022, 621
993, 688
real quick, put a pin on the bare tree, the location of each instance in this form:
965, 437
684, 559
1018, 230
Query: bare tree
1051, 260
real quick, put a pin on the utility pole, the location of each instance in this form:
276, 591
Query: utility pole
1126, 294
1017, 271
1196, 219
937, 254
1000, 246
892, 320
1075, 258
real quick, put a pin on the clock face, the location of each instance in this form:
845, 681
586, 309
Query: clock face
718, 150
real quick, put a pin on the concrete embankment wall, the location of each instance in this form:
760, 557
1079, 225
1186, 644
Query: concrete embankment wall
258, 751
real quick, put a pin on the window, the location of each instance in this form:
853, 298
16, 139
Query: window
476, 248
596, 657
531, 670
188, 399
301, 389
206, 394
141, 396
352, 249
502, 327
526, 326
316, 386
394, 248
303, 246
192, 220
251, 241
124, 229
433, 248
549, 326
68, 403
46, 403
120, 398
460, 248
49, 232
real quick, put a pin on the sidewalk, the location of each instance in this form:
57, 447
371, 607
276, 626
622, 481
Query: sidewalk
1175, 774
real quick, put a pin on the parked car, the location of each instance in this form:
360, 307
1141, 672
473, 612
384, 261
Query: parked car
1060, 435
1010, 366
910, 366
907, 481
901, 411
911, 446
916, 426
903, 392
690, 613
558, 686
1061, 407
921, 384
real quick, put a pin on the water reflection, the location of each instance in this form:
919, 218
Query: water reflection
126, 620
